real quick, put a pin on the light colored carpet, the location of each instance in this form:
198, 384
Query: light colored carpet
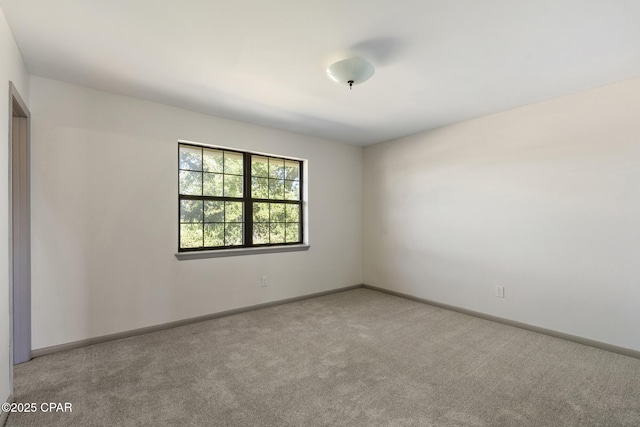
356, 358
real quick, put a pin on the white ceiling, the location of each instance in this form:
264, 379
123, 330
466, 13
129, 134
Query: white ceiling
437, 61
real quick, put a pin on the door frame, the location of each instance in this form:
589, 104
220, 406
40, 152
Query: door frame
19, 293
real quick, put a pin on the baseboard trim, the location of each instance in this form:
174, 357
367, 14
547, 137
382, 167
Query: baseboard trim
126, 334
580, 340
4, 415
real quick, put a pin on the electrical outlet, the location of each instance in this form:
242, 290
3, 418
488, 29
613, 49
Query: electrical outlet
500, 291
264, 280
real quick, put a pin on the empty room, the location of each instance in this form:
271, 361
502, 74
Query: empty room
305, 213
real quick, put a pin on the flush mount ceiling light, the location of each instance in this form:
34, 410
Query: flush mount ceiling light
350, 71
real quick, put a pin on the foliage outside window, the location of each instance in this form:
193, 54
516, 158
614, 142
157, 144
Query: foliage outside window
231, 199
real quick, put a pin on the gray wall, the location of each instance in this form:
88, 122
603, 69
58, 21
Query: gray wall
543, 200
105, 215
12, 68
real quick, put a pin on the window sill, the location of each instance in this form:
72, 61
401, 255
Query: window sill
182, 256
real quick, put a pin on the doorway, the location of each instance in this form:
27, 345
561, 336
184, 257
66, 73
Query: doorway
20, 227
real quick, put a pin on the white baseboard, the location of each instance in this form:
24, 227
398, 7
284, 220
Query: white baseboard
126, 334
580, 340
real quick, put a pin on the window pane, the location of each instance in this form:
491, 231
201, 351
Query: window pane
233, 163
292, 169
292, 190
276, 189
233, 211
259, 166
259, 188
191, 211
232, 186
217, 219
277, 232
261, 212
292, 232
276, 168
232, 234
292, 213
212, 184
190, 235
214, 234
277, 212
212, 160
190, 158
213, 211
191, 183
260, 233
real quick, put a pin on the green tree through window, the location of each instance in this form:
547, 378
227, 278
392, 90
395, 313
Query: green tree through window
231, 199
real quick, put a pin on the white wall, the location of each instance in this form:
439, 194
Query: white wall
104, 217
544, 200
12, 68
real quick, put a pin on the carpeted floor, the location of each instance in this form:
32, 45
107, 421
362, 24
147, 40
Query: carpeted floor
355, 358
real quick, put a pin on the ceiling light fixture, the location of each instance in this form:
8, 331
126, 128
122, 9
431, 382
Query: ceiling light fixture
350, 71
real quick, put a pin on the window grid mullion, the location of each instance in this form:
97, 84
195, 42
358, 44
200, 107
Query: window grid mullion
247, 211
224, 205
202, 188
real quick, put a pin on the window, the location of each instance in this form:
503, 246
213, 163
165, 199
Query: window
232, 199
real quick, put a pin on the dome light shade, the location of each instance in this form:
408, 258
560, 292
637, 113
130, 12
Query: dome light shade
350, 71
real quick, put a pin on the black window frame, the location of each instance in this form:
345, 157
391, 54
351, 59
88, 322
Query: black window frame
246, 200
